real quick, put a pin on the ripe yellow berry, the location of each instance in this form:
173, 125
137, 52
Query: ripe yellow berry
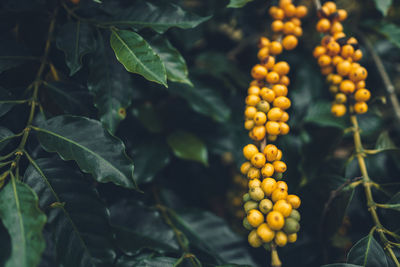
256, 193
258, 160
275, 220
249, 151
336, 79
278, 194
245, 167
362, 95
254, 240
324, 60
294, 201
252, 100
347, 87
266, 233
323, 25
336, 27
301, 11
249, 124
333, 48
357, 55
268, 62
267, 170
288, 27
284, 80
270, 151
263, 53
282, 68
279, 166
281, 239
292, 238
259, 132
253, 90
343, 68
289, 42
258, 72
279, 155
340, 98
272, 128
260, 118
272, 77
283, 207
265, 205
358, 74
342, 14
255, 218
290, 10
285, 117
360, 107
263, 42
282, 185
253, 173
284, 128
277, 26
280, 90
275, 48
338, 110
282, 102
268, 185
254, 183
319, 51
267, 94
347, 51
275, 114
277, 13
250, 112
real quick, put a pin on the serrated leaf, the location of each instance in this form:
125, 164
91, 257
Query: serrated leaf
24, 221
320, 114
188, 146
12, 55
111, 85
76, 39
150, 157
368, 253
157, 17
174, 63
137, 56
238, 3
390, 31
93, 148
383, 6
4, 96
150, 232
384, 142
71, 98
82, 235
5, 137
149, 117
203, 100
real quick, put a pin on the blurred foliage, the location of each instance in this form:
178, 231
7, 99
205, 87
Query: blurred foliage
142, 101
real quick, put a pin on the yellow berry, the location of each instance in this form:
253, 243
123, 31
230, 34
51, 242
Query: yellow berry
267, 170
268, 185
245, 167
275, 220
258, 160
266, 233
292, 238
278, 194
281, 239
294, 201
254, 240
256, 193
265, 205
255, 218
283, 207
249, 151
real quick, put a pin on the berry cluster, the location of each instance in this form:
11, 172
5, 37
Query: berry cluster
271, 212
337, 56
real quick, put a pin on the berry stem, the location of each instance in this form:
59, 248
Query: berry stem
275, 261
367, 183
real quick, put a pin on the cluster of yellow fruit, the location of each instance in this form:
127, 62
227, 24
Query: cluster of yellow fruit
271, 212
337, 56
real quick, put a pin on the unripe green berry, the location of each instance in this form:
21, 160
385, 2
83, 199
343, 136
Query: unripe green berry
250, 205
291, 226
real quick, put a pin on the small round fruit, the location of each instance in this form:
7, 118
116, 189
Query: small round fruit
250, 112
283, 207
275, 220
245, 167
284, 128
253, 173
252, 100
259, 132
278, 194
260, 118
285, 117
263, 106
246, 197
323, 25
249, 151
294, 201
265, 205
268, 185
282, 102
281, 239
338, 110
340, 98
360, 107
279, 166
280, 90
250, 205
254, 183
253, 90
266, 233
282, 185
249, 124
258, 72
267, 170
347, 87
256, 193
270, 151
246, 224
358, 74
254, 240
291, 226
279, 155
292, 238
282, 68
255, 217
343, 68
290, 42
258, 160
267, 94
295, 215
272, 128
275, 48
272, 77
362, 95
319, 51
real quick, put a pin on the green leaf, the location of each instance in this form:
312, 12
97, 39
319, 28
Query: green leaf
368, 253
188, 146
76, 39
174, 63
137, 56
150, 157
149, 117
150, 232
4, 96
24, 221
385, 143
203, 100
147, 262
93, 148
79, 224
238, 3
320, 114
111, 85
157, 17
5, 137
383, 6
390, 31
12, 55
341, 265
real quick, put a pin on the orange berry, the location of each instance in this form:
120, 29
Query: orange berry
327, 70
343, 68
282, 185
288, 27
259, 133
254, 183
296, 21
258, 72
357, 55
338, 110
284, 128
324, 60
274, 114
284, 207
270, 151
254, 240
268, 185
252, 100
272, 77
263, 53
258, 160
301, 11
282, 68
290, 10
347, 51
280, 90
336, 27
278, 194
250, 112
342, 14
260, 118
249, 124
284, 80
277, 13
279, 155
253, 173
331, 6
294, 201
336, 60
360, 107
267, 94
298, 31
263, 42
277, 26
268, 62
319, 51
360, 85
275, 220
279, 166
281, 239
289, 42
362, 95
255, 217
336, 79
272, 128
323, 25
265, 233
282, 102
340, 98
347, 87
245, 167
275, 48
249, 151
358, 74
267, 170
285, 117
333, 48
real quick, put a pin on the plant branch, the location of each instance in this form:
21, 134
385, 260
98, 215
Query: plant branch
368, 192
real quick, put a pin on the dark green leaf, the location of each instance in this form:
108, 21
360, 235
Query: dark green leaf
203, 100
24, 221
5, 136
149, 232
159, 18
12, 55
174, 63
94, 149
137, 56
111, 86
368, 253
5, 96
150, 157
238, 3
71, 98
384, 142
149, 117
76, 39
383, 6
82, 235
320, 113
188, 146
390, 31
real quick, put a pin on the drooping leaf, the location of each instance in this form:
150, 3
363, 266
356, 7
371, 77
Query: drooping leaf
203, 100
188, 146
319, 113
149, 117
77, 217
137, 56
385, 143
111, 85
150, 232
24, 221
390, 31
238, 3
174, 63
5, 96
5, 136
93, 148
368, 253
158, 17
150, 157
70, 97
12, 55
76, 39
383, 6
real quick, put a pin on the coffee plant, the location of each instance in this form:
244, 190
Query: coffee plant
199, 133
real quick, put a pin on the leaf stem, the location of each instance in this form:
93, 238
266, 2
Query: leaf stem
367, 187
